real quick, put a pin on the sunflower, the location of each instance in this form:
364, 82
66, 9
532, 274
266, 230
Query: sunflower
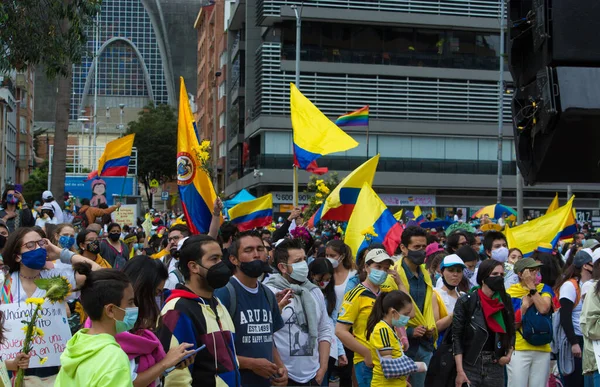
34, 301
57, 288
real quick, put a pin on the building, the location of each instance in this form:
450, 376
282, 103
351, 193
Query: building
428, 71
144, 47
24, 124
212, 58
8, 128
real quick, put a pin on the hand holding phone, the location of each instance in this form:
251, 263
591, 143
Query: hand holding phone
177, 352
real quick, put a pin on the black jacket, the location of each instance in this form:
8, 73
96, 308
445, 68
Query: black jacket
470, 331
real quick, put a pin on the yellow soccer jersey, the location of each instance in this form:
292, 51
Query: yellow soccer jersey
355, 311
384, 338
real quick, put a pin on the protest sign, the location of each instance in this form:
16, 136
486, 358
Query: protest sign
53, 322
126, 215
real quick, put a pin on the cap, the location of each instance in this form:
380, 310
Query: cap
582, 257
48, 206
595, 255
433, 248
47, 195
378, 256
467, 254
452, 260
591, 244
526, 263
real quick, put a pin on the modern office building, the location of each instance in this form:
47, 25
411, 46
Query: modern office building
429, 72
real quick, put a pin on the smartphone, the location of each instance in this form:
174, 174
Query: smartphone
170, 369
19, 188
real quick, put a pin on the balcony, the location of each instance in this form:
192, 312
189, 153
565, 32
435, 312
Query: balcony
463, 167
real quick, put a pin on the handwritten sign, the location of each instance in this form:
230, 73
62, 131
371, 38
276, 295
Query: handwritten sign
127, 214
54, 324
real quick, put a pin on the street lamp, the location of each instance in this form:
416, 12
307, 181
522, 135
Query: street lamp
298, 45
214, 134
121, 113
83, 120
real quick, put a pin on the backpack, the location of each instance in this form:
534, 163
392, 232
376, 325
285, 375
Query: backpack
233, 298
80, 220
536, 328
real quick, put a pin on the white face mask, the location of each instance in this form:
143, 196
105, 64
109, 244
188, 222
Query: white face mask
500, 254
334, 262
299, 271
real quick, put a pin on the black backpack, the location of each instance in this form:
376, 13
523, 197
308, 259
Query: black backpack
80, 220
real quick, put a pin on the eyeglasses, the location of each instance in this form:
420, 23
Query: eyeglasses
31, 245
174, 238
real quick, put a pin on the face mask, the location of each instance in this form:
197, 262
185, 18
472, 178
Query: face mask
401, 321
152, 233
468, 273
131, 315
2, 241
495, 283
481, 249
538, 278
500, 254
334, 262
11, 199
253, 269
446, 284
34, 259
377, 277
417, 257
114, 237
218, 275
93, 247
139, 246
66, 242
436, 277
322, 284
299, 271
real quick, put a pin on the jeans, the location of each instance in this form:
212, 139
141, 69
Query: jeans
418, 379
485, 373
529, 369
364, 374
575, 379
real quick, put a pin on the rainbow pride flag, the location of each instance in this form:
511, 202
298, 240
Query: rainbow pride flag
359, 117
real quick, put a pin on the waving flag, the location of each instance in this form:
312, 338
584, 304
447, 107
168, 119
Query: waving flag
340, 202
554, 205
359, 117
252, 214
115, 158
398, 215
195, 187
314, 134
418, 215
550, 228
372, 222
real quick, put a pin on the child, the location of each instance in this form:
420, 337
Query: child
93, 357
390, 310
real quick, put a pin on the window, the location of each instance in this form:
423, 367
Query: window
221, 120
222, 149
222, 89
278, 143
223, 59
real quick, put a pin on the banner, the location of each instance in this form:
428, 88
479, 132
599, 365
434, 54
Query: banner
408, 200
99, 190
126, 215
54, 324
280, 197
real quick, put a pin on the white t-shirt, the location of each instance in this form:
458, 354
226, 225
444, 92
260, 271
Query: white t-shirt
588, 286
172, 280
301, 361
568, 291
41, 222
19, 295
449, 301
340, 290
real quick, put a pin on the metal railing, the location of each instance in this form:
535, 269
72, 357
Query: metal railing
84, 159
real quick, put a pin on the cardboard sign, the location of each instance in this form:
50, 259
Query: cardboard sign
127, 214
54, 324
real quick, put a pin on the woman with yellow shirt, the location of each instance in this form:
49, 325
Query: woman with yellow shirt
89, 245
390, 310
530, 364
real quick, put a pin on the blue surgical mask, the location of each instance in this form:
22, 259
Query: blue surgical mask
436, 277
138, 246
34, 259
401, 321
299, 271
377, 277
468, 273
66, 242
481, 249
131, 315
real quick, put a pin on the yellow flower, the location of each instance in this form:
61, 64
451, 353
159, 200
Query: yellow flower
24, 329
35, 301
43, 360
205, 144
323, 188
39, 332
319, 202
318, 182
319, 195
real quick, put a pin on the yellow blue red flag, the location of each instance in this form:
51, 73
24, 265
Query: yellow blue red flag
398, 215
340, 202
550, 228
195, 187
554, 205
418, 215
372, 222
115, 158
315, 135
253, 213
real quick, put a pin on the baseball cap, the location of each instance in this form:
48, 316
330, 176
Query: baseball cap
452, 260
582, 257
590, 244
433, 248
526, 263
47, 195
595, 255
48, 206
378, 256
467, 254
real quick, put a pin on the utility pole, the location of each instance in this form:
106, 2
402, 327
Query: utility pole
214, 135
501, 99
298, 45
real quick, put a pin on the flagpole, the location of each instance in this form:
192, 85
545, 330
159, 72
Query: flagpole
367, 140
298, 44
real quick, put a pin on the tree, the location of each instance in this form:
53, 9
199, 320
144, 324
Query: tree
51, 33
37, 183
156, 143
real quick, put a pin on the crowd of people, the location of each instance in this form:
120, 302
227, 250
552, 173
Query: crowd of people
295, 306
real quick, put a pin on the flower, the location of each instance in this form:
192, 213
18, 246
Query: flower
205, 145
24, 329
35, 301
318, 182
319, 195
39, 332
43, 360
57, 288
323, 188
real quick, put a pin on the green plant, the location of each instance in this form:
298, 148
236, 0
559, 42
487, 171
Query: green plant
321, 186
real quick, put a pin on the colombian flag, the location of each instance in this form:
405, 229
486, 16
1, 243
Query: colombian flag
553, 205
359, 117
372, 222
195, 187
550, 228
340, 202
252, 214
115, 158
314, 134
418, 215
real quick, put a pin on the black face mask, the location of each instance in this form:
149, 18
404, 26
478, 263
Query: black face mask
2, 241
253, 269
174, 253
114, 237
495, 283
446, 284
417, 257
93, 247
217, 276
